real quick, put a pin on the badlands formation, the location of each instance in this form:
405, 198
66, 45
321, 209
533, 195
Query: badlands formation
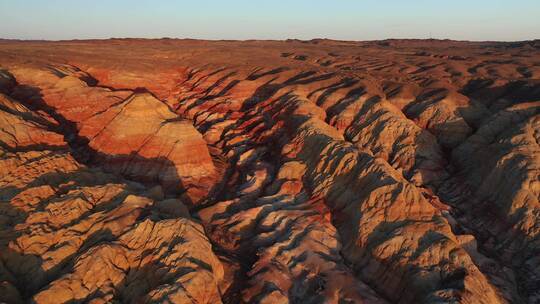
184, 171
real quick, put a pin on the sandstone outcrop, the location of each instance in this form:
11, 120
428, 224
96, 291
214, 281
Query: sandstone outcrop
320, 171
143, 140
73, 233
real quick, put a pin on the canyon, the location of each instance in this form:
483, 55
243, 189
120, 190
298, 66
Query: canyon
321, 171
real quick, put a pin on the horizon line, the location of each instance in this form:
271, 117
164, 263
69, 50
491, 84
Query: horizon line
259, 39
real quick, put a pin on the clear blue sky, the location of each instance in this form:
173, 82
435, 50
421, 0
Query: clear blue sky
243, 19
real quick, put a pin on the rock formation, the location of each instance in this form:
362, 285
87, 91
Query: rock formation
400, 171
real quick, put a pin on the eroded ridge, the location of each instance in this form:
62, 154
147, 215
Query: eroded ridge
270, 172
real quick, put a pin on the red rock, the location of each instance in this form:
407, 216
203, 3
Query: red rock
263, 171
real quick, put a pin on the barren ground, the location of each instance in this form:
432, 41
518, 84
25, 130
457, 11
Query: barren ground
186, 171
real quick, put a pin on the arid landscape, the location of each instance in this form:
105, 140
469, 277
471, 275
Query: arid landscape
320, 171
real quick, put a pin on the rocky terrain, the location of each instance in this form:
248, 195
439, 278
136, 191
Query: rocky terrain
185, 171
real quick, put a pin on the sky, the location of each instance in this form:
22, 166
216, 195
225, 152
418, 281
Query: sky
503, 20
